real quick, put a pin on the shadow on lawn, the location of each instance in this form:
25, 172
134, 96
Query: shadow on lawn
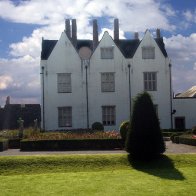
162, 167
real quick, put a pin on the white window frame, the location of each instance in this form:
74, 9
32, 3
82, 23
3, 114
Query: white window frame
108, 82
148, 52
150, 81
65, 116
107, 52
64, 83
109, 115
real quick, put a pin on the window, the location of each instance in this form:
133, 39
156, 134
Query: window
108, 115
107, 53
107, 82
148, 52
64, 82
150, 81
65, 116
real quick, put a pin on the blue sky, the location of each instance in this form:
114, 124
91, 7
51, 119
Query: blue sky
24, 23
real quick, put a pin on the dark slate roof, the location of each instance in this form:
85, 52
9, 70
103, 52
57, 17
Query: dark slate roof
47, 47
128, 47
161, 45
82, 43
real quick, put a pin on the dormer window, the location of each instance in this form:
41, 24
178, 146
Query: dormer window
148, 52
107, 53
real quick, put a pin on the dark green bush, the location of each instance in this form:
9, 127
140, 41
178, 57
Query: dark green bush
3, 144
144, 139
71, 144
97, 126
124, 127
194, 130
187, 139
175, 137
173, 130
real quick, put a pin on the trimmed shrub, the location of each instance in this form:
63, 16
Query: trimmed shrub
71, 144
187, 139
144, 139
3, 144
194, 130
174, 137
14, 143
173, 130
124, 127
97, 126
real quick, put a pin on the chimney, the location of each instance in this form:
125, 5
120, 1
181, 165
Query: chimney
67, 28
158, 33
136, 35
95, 34
74, 32
116, 29
7, 100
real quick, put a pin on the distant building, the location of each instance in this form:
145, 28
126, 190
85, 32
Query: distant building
184, 105
10, 114
87, 81
191, 92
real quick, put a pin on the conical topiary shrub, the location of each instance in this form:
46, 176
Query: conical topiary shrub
144, 139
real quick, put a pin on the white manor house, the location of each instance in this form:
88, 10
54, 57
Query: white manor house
87, 81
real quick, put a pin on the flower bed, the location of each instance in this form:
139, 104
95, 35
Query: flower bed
70, 135
104, 140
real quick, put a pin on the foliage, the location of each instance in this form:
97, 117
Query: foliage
194, 130
187, 139
173, 130
124, 127
14, 134
3, 144
145, 140
174, 137
69, 135
71, 144
97, 126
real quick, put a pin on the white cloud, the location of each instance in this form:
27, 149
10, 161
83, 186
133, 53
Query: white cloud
190, 15
5, 81
182, 50
49, 12
194, 66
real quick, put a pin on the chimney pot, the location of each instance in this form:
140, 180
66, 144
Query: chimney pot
7, 100
136, 35
116, 29
67, 28
158, 33
74, 32
95, 34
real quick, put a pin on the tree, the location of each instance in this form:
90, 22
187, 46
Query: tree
144, 139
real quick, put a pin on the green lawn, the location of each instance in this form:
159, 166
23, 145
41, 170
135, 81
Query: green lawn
97, 175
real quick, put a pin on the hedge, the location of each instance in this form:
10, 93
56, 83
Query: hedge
72, 144
3, 144
14, 143
187, 139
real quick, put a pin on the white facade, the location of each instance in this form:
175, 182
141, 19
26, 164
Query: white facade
185, 112
87, 98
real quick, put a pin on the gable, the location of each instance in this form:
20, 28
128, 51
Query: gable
148, 40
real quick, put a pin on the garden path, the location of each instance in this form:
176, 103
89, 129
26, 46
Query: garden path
171, 148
